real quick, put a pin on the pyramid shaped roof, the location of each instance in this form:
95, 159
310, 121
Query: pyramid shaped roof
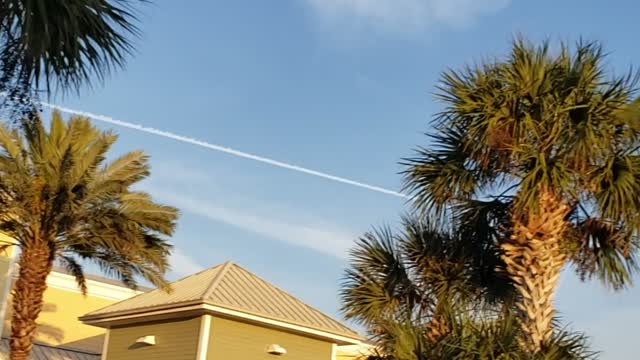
229, 286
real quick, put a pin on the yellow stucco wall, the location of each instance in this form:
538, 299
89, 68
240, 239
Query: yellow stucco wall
58, 322
175, 340
235, 340
5, 264
354, 352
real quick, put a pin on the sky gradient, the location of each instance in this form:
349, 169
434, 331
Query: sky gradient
338, 86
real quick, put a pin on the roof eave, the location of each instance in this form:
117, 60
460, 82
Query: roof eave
196, 308
98, 317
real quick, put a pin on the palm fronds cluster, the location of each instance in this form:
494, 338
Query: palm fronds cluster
425, 294
533, 165
64, 203
61, 44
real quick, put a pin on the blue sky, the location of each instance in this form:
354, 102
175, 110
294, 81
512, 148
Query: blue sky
341, 86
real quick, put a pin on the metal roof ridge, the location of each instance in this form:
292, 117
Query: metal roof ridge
296, 299
99, 311
216, 281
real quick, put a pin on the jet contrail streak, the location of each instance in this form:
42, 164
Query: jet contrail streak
224, 149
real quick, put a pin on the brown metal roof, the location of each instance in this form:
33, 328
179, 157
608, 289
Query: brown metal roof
46, 352
230, 286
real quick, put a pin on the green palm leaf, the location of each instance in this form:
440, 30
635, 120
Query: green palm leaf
62, 43
63, 203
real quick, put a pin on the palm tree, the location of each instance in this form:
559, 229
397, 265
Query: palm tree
425, 294
476, 338
545, 144
417, 275
62, 202
62, 43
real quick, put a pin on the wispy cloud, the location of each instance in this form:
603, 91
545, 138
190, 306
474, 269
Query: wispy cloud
174, 172
312, 234
182, 264
405, 15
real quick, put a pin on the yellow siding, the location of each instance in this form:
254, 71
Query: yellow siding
58, 322
235, 340
175, 340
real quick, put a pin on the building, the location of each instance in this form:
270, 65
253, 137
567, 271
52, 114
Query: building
225, 312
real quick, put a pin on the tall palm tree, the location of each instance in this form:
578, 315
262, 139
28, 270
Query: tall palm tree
62, 43
546, 143
62, 202
425, 294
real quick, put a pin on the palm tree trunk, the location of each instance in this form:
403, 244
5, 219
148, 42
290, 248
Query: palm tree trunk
35, 265
437, 328
534, 259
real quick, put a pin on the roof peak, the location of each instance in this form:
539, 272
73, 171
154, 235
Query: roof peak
216, 280
227, 286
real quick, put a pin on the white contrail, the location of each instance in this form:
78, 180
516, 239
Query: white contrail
224, 149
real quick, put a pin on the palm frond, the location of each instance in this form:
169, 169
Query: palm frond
75, 269
438, 177
378, 284
475, 338
605, 251
567, 345
5, 247
414, 273
58, 180
63, 43
481, 227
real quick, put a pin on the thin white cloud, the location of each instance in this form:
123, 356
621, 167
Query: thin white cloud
405, 15
178, 173
182, 264
315, 235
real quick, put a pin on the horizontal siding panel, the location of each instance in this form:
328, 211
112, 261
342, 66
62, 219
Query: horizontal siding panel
236, 340
175, 340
